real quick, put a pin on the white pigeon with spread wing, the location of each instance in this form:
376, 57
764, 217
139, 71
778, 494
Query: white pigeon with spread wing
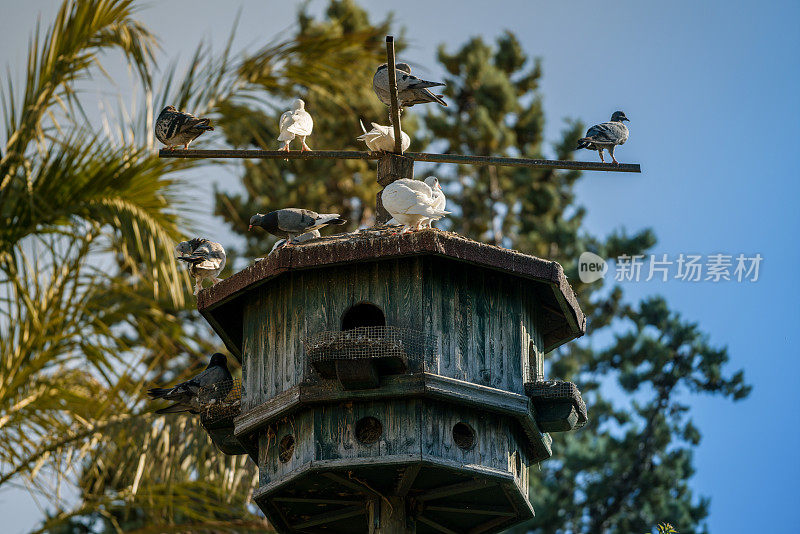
296, 122
381, 138
411, 203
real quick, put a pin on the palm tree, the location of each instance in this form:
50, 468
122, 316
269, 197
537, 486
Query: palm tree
92, 306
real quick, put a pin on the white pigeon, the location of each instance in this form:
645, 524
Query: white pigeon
439, 199
411, 203
438, 202
296, 122
381, 138
302, 238
206, 259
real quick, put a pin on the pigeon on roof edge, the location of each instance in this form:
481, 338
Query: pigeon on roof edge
186, 395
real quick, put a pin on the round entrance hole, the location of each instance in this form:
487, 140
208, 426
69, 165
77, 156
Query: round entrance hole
286, 448
463, 436
363, 314
368, 430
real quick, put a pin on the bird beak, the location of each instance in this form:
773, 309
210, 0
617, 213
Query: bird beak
626, 119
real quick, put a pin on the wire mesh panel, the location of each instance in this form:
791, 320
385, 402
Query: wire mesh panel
394, 350
549, 394
220, 401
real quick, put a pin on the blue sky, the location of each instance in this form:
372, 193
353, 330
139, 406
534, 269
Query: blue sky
711, 89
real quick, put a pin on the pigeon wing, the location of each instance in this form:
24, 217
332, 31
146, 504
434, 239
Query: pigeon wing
606, 133
301, 124
409, 81
206, 256
296, 220
283, 124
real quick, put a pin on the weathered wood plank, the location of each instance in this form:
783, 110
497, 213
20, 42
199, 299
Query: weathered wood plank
330, 517
454, 489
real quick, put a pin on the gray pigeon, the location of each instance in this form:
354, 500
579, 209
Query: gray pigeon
174, 128
410, 89
606, 136
291, 222
206, 259
186, 395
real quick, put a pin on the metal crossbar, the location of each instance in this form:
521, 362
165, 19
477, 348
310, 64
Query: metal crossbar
416, 156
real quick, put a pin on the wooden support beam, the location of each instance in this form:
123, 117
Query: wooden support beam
416, 156
394, 108
407, 480
466, 508
316, 501
436, 526
489, 525
350, 484
330, 517
453, 489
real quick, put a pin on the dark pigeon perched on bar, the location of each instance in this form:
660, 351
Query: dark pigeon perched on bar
175, 128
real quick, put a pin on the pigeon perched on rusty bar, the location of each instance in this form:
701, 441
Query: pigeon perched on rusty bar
206, 259
410, 89
175, 128
302, 238
186, 396
606, 135
296, 122
412, 202
381, 138
291, 222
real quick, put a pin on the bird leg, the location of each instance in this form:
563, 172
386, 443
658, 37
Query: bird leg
303, 146
198, 285
285, 147
601, 155
611, 151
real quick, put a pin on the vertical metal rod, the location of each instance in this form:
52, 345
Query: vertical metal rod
394, 110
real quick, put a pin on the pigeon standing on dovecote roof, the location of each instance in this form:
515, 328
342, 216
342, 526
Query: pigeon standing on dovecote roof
175, 128
606, 135
206, 259
296, 122
410, 89
411, 203
186, 395
291, 222
381, 138
438, 203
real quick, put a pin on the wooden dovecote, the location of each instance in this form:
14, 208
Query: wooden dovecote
386, 372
